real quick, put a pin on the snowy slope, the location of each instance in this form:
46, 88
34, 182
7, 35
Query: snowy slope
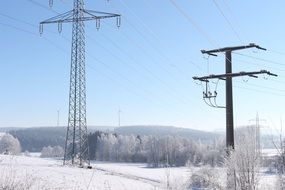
50, 174
140, 170
38, 173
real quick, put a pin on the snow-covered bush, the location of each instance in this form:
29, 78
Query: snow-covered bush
243, 163
13, 177
52, 152
9, 145
206, 178
27, 153
280, 183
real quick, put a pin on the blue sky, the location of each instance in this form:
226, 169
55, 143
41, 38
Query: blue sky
146, 66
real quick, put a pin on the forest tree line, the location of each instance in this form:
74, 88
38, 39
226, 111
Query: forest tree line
156, 151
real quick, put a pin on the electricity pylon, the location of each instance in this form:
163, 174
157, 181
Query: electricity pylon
229, 89
76, 144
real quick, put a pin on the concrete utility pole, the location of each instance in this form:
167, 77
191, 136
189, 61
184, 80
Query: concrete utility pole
229, 89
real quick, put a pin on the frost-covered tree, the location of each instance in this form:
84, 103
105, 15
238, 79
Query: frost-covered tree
280, 161
46, 152
52, 152
206, 178
156, 151
243, 163
9, 145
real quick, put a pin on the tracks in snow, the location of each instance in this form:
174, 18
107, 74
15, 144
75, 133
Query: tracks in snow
153, 182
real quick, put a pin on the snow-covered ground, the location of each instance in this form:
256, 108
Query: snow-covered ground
40, 173
269, 152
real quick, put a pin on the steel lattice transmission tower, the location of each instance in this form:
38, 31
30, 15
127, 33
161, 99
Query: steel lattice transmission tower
76, 145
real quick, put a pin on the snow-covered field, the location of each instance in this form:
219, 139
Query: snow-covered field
39, 173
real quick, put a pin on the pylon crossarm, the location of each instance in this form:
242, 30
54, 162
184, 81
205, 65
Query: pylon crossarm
101, 14
68, 17
95, 17
64, 17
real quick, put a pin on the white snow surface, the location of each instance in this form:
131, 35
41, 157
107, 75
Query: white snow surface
40, 173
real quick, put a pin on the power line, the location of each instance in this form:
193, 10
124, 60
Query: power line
231, 12
261, 59
16, 19
29, 24
32, 33
263, 87
149, 71
164, 44
169, 89
162, 106
44, 7
198, 28
258, 64
227, 20
260, 91
277, 52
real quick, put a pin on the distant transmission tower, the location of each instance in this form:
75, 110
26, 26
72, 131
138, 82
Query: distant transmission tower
76, 145
119, 117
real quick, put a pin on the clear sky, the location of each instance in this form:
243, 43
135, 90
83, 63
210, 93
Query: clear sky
146, 66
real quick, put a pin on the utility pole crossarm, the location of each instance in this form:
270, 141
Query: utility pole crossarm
226, 49
224, 76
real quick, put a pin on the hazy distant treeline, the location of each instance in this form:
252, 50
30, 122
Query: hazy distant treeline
34, 139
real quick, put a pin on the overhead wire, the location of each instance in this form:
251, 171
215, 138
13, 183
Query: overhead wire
260, 59
259, 64
260, 91
206, 36
197, 27
169, 89
182, 101
35, 34
156, 36
162, 42
276, 52
263, 87
227, 20
97, 60
44, 7
150, 72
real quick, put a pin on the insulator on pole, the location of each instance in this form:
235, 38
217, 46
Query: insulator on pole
98, 24
41, 29
50, 3
118, 21
59, 27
